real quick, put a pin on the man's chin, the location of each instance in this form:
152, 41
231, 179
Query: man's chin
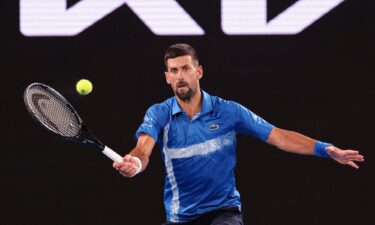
184, 96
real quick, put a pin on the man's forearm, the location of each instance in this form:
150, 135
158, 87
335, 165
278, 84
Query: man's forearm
144, 158
143, 149
291, 141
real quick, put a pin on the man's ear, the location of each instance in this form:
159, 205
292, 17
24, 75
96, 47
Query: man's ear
200, 71
167, 78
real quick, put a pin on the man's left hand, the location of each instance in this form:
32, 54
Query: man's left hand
345, 157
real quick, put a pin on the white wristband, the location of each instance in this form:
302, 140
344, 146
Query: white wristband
139, 167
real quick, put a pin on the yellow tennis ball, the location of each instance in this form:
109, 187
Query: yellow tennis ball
84, 87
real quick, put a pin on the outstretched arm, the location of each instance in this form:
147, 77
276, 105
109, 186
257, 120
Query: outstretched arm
294, 142
137, 160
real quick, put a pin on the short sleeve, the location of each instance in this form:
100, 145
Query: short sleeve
249, 123
153, 121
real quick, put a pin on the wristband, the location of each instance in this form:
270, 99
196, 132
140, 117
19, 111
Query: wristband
139, 168
320, 149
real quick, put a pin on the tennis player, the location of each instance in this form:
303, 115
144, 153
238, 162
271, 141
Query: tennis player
197, 135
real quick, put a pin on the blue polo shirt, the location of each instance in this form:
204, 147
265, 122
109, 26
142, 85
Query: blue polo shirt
200, 154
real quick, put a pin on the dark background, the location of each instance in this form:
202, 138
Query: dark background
318, 82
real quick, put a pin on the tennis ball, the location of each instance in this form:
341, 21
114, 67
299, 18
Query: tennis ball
84, 87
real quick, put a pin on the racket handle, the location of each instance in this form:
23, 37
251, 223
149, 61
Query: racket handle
112, 154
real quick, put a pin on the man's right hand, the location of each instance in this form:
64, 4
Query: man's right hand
129, 167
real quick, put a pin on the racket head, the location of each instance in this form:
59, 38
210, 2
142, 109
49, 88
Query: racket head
52, 110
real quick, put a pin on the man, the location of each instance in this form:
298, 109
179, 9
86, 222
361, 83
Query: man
197, 134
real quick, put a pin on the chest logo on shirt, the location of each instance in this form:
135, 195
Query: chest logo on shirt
213, 127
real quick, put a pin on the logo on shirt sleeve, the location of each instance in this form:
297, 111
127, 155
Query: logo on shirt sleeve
213, 127
147, 121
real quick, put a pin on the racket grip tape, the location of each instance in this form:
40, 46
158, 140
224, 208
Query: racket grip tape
112, 154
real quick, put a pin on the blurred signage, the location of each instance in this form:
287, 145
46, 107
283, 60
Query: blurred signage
167, 17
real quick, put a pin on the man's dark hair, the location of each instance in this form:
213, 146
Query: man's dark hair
180, 49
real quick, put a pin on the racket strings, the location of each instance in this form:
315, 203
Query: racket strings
53, 112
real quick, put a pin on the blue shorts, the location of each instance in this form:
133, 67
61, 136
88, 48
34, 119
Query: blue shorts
227, 216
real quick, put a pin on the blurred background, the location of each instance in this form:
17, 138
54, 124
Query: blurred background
312, 72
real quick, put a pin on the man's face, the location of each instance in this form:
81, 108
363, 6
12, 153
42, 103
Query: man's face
183, 75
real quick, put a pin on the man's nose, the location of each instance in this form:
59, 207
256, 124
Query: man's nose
179, 74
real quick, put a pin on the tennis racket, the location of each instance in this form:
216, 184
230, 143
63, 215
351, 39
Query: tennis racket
54, 112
